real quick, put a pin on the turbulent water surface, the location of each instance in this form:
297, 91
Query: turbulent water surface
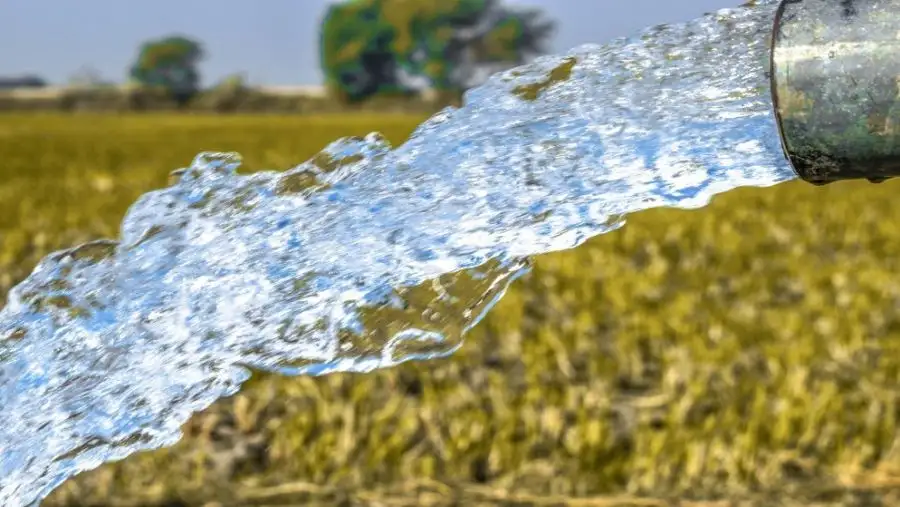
366, 256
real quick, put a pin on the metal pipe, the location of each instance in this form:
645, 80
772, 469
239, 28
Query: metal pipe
835, 70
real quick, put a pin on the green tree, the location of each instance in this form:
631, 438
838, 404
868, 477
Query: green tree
371, 47
170, 63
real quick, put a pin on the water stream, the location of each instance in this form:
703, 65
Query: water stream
366, 256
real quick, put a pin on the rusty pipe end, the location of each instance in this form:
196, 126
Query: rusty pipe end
835, 80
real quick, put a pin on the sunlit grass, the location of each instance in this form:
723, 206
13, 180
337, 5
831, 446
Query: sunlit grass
746, 350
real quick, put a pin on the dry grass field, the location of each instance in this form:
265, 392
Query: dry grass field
747, 353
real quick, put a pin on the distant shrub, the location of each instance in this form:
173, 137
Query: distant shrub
398, 47
170, 64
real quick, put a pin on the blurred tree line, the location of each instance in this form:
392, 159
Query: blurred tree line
372, 48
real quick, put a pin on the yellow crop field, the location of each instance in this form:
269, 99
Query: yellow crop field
749, 350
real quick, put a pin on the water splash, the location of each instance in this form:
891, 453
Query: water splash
365, 256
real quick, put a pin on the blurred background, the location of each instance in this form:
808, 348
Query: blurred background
294, 49
743, 354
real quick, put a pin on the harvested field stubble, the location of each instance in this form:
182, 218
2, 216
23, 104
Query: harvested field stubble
748, 350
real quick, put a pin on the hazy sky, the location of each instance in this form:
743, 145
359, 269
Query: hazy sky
273, 41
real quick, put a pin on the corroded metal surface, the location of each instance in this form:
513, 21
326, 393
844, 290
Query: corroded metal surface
835, 84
